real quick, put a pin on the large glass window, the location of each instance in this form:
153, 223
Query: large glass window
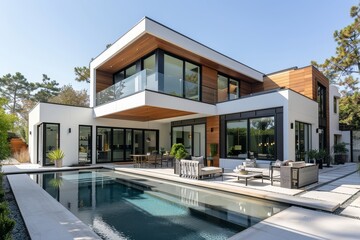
118, 144
150, 141
192, 137
236, 140
85, 144
262, 137
173, 75
128, 144
302, 140
138, 147
199, 140
192, 76
103, 144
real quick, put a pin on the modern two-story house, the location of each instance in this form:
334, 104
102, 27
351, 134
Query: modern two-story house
155, 87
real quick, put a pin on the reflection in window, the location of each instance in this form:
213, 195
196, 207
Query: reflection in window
51, 140
173, 75
233, 89
150, 66
262, 138
236, 139
222, 88
150, 141
302, 140
321, 99
138, 142
192, 76
85, 146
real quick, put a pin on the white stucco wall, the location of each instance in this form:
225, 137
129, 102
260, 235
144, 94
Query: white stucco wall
334, 117
72, 117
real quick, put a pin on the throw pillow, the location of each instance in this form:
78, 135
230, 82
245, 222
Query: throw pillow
250, 163
278, 163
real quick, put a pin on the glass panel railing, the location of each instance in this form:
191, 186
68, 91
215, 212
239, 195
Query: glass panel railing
146, 79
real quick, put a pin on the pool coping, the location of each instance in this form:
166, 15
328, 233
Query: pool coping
282, 198
44, 217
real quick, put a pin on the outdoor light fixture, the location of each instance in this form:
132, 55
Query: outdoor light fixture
292, 125
69, 130
211, 129
30, 132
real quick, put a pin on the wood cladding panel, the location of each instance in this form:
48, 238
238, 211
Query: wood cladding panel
245, 88
147, 113
209, 85
103, 80
213, 135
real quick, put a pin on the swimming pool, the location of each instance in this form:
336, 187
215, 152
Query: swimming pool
122, 206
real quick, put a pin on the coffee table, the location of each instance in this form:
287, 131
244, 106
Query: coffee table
248, 176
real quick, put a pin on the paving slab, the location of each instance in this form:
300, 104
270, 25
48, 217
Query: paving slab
351, 212
298, 223
356, 203
44, 217
338, 189
327, 196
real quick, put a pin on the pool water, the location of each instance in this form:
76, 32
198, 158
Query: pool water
121, 206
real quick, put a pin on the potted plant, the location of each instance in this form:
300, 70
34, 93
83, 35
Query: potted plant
321, 156
179, 152
213, 153
340, 151
56, 156
312, 155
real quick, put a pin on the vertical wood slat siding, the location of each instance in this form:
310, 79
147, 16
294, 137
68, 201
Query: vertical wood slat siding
214, 136
209, 85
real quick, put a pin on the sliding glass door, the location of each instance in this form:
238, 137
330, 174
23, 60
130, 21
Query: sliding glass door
192, 137
85, 144
48, 140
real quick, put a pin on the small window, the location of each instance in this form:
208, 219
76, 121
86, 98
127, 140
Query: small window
335, 105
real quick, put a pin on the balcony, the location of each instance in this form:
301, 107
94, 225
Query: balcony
148, 80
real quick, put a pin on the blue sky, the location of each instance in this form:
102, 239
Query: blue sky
52, 37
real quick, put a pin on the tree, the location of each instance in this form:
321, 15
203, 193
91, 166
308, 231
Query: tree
15, 88
6, 124
82, 74
344, 67
46, 89
69, 96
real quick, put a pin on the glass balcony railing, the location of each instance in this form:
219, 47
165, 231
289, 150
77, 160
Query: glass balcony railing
138, 82
147, 79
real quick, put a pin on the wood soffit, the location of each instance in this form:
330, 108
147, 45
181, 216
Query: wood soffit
147, 113
148, 43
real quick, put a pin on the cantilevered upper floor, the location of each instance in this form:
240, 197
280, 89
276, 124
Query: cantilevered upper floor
157, 70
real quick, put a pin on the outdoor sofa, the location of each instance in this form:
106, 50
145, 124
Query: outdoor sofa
194, 169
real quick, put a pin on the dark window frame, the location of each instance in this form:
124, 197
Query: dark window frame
297, 158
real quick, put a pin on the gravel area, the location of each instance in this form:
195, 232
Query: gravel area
19, 231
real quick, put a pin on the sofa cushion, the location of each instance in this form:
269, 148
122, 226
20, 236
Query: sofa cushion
297, 164
199, 159
250, 163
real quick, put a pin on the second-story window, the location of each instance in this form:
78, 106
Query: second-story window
335, 105
228, 88
181, 78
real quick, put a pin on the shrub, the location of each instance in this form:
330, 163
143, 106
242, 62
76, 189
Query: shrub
22, 156
178, 150
6, 223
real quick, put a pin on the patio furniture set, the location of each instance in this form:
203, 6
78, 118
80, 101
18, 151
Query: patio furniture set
156, 160
290, 174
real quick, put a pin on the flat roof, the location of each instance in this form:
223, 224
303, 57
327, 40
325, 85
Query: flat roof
149, 26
